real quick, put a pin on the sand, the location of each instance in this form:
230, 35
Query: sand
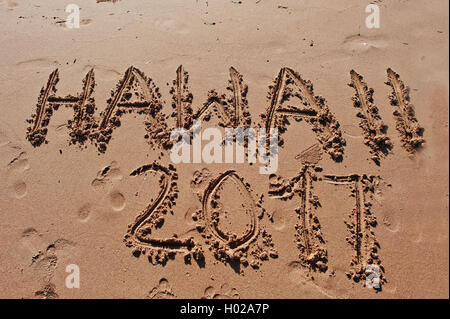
87, 182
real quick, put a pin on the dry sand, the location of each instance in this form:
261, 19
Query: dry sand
362, 177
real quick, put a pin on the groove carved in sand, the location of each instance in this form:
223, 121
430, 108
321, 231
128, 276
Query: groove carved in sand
371, 123
232, 111
182, 100
250, 247
361, 223
239, 104
309, 239
134, 93
38, 130
213, 105
314, 111
83, 105
139, 234
137, 93
406, 123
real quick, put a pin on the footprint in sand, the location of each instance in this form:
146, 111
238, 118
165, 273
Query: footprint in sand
12, 4
200, 178
41, 258
117, 201
310, 155
30, 244
19, 164
278, 219
19, 189
108, 174
323, 283
362, 44
391, 223
171, 25
84, 213
102, 71
15, 170
162, 291
225, 292
47, 292
39, 63
45, 264
9, 142
353, 131
4, 140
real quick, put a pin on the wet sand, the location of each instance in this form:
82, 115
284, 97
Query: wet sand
87, 178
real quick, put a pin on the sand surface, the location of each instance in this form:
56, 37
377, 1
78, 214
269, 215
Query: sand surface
86, 178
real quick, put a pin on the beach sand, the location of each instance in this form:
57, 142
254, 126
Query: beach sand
88, 186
